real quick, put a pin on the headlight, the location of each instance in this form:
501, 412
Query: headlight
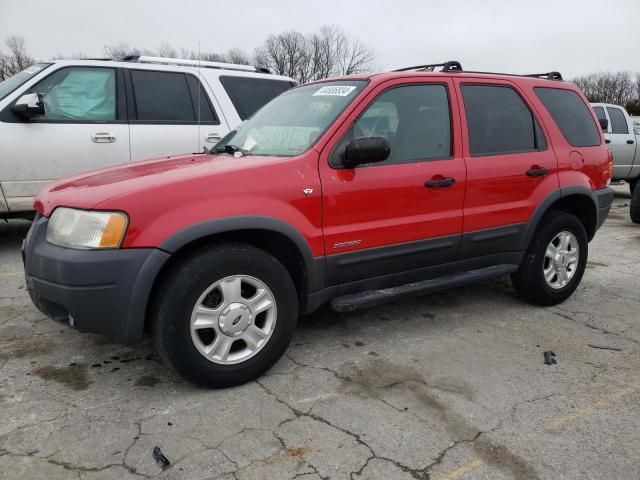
85, 229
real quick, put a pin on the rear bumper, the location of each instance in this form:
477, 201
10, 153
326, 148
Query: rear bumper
104, 292
604, 199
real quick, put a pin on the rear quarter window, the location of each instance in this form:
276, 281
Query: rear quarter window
249, 94
571, 115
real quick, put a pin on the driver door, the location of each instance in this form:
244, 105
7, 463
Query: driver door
404, 214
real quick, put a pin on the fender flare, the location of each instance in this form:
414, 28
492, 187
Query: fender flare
315, 271
549, 200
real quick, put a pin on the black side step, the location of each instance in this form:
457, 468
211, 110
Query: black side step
356, 301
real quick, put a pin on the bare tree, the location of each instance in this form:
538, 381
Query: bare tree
319, 55
16, 57
616, 88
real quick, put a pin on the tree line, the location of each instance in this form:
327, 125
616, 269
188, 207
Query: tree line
328, 52
618, 88
325, 53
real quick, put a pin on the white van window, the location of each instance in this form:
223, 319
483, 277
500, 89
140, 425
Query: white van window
79, 93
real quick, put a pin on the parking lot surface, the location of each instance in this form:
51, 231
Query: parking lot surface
442, 387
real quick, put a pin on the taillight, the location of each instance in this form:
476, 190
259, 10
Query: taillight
608, 173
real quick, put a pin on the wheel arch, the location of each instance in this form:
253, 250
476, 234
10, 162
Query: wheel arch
272, 235
575, 199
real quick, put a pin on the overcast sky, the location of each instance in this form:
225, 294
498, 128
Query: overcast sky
572, 36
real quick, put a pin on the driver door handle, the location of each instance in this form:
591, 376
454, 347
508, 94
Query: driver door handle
443, 182
537, 172
213, 138
103, 137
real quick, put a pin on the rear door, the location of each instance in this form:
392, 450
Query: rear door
622, 143
84, 127
170, 113
403, 214
510, 166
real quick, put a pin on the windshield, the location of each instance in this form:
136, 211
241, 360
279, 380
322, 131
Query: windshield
290, 123
10, 84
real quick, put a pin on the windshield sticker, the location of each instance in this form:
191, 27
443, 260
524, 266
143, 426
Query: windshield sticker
32, 70
336, 90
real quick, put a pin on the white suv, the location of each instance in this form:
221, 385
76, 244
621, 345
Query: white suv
64, 117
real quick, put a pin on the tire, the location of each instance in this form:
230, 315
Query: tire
632, 185
530, 282
179, 336
634, 208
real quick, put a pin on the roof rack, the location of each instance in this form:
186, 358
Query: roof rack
193, 63
455, 66
451, 66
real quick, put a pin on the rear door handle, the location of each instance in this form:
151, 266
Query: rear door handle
537, 172
103, 137
607, 140
444, 182
630, 142
213, 138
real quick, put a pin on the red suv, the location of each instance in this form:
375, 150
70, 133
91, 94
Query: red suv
354, 191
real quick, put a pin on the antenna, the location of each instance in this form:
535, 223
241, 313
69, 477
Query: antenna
199, 90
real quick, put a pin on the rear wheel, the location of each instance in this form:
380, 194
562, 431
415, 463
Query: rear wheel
225, 315
634, 208
632, 185
555, 261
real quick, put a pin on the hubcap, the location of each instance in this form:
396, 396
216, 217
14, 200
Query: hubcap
561, 260
233, 319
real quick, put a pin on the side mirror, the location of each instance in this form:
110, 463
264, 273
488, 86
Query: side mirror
29, 106
366, 150
604, 124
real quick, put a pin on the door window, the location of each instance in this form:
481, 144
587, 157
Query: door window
599, 111
205, 110
415, 119
571, 115
249, 94
618, 121
499, 121
79, 94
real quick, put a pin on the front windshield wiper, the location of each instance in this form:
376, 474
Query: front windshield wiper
232, 149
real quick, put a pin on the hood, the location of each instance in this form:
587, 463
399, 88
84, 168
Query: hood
90, 189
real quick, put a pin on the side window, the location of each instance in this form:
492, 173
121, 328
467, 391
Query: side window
162, 97
599, 111
79, 94
499, 121
249, 94
571, 115
205, 110
618, 121
415, 119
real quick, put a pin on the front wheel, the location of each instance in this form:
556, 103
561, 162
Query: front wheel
225, 314
555, 261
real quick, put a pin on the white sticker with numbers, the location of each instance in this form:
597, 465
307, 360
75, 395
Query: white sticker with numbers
335, 90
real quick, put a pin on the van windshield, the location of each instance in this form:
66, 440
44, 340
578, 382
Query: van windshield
10, 84
293, 121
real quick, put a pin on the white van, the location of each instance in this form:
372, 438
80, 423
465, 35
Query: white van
66, 116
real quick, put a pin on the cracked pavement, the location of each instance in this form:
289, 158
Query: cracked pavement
442, 387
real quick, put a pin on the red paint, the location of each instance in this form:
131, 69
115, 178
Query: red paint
379, 205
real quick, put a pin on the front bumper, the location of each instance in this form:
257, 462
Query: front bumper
96, 291
604, 198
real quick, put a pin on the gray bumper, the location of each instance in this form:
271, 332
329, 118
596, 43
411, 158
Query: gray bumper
97, 291
604, 199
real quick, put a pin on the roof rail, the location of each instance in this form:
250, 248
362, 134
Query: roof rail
454, 66
450, 66
548, 75
193, 63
